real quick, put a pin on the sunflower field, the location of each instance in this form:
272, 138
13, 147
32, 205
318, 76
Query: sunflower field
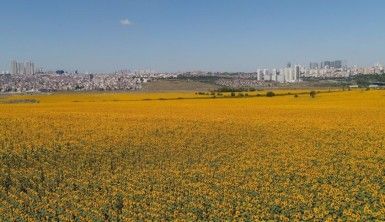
189, 157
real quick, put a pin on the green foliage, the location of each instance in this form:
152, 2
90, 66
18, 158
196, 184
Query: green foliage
15, 101
233, 89
270, 94
313, 94
118, 205
7, 182
366, 80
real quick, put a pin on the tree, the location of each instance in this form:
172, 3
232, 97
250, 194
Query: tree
313, 93
60, 72
270, 94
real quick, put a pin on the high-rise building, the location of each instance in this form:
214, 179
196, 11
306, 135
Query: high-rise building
19, 68
313, 65
325, 64
266, 74
258, 78
288, 75
288, 65
29, 68
337, 64
297, 73
14, 69
274, 75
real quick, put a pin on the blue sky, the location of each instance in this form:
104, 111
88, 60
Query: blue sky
172, 35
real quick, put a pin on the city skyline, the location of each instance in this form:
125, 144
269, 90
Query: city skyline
99, 36
28, 67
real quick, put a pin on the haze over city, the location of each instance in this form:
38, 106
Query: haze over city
169, 35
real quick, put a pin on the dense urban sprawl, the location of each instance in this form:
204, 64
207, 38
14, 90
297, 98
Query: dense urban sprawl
24, 77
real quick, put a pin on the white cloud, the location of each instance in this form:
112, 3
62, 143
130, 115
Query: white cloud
125, 22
